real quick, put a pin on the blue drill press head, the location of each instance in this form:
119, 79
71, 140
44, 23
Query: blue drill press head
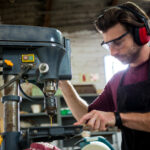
35, 45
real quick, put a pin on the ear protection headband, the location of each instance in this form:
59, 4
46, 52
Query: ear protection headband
140, 34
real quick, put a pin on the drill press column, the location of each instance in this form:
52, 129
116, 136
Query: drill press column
11, 115
11, 106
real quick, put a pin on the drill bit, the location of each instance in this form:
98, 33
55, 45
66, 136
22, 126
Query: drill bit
51, 120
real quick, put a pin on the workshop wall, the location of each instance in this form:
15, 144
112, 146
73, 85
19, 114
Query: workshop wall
76, 21
75, 15
87, 58
67, 15
25, 12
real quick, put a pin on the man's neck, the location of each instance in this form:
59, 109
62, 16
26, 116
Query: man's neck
144, 56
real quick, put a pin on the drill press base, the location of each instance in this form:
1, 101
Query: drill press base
48, 134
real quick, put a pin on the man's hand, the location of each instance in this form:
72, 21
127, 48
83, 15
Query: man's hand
98, 120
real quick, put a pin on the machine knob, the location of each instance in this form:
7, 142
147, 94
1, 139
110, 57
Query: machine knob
43, 68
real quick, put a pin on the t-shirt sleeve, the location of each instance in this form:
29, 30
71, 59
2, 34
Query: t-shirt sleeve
103, 102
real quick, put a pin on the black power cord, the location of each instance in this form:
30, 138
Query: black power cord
19, 76
29, 98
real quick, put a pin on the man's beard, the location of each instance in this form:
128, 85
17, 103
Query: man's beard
131, 56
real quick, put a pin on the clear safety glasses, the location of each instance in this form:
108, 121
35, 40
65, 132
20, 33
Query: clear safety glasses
116, 44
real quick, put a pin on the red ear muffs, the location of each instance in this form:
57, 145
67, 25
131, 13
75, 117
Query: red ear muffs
143, 35
140, 36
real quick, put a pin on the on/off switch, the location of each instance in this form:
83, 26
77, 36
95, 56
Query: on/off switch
28, 58
25, 57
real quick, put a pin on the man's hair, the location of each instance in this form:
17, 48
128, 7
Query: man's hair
113, 15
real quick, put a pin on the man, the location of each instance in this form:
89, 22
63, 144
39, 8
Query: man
125, 101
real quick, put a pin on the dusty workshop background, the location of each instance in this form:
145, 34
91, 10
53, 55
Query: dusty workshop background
74, 18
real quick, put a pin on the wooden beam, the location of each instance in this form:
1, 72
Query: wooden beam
47, 16
114, 2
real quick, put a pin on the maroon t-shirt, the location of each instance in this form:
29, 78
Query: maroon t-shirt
107, 101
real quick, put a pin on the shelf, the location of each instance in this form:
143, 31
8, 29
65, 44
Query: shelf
34, 115
66, 116
89, 95
103, 133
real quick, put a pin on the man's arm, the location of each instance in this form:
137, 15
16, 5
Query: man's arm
78, 106
138, 121
100, 120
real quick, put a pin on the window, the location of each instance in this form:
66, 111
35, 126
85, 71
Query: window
112, 65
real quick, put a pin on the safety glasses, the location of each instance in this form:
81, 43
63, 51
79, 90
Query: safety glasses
115, 43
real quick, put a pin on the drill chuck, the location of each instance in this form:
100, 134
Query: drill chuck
51, 105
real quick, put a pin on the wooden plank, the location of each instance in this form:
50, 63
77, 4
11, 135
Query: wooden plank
114, 2
47, 16
1, 108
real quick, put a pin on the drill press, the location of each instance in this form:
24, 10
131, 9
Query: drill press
41, 56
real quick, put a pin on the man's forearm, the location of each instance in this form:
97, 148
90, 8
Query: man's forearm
77, 105
138, 121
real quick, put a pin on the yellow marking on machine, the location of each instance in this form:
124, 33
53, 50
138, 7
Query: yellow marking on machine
28, 58
1, 140
8, 62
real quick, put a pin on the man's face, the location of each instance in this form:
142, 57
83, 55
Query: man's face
121, 44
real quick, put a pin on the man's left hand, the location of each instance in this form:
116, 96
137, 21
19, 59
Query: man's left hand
97, 120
